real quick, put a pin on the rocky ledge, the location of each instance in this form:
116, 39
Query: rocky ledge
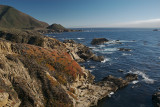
42, 73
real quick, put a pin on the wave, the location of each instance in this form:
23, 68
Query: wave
111, 49
104, 50
125, 54
126, 41
90, 70
135, 82
105, 60
145, 77
80, 38
92, 47
101, 46
111, 42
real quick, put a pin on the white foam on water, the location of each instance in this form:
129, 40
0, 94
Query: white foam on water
90, 70
106, 52
135, 82
101, 46
126, 41
110, 42
105, 60
91, 47
145, 77
110, 49
110, 94
158, 57
97, 50
125, 54
80, 38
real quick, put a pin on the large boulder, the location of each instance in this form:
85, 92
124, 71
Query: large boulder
98, 41
130, 77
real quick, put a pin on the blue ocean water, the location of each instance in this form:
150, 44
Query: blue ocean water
144, 60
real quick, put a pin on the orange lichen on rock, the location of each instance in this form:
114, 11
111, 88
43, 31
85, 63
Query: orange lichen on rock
54, 60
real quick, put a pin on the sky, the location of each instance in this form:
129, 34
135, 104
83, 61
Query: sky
92, 13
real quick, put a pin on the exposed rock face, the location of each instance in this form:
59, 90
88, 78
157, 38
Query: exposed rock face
156, 99
44, 74
98, 41
3, 99
80, 52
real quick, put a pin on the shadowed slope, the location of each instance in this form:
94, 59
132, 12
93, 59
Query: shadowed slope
12, 18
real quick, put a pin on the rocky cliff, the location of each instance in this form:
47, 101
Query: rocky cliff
38, 71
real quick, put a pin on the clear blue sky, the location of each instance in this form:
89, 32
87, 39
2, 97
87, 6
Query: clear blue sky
89, 13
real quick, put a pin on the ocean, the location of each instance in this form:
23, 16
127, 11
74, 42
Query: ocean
143, 59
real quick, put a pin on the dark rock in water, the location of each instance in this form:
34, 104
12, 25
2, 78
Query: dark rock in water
130, 77
117, 81
124, 49
98, 41
155, 29
97, 58
156, 99
120, 70
92, 67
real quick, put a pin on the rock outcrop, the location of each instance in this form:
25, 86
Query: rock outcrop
130, 77
80, 52
156, 99
98, 41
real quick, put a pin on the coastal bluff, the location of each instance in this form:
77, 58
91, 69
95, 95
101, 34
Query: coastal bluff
38, 71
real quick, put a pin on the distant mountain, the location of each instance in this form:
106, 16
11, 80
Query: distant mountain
12, 18
59, 28
56, 27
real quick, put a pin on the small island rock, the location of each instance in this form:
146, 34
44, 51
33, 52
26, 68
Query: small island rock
98, 41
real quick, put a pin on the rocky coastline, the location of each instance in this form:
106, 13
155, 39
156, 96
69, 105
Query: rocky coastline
37, 71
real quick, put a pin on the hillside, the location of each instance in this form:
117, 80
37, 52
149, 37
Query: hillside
12, 18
